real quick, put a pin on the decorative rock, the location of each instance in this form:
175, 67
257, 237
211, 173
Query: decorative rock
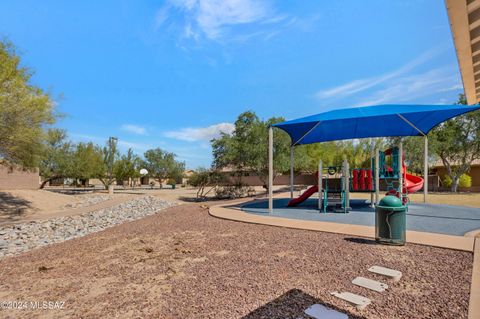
3, 244
27, 236
88, 201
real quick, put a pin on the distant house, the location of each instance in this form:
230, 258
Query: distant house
186, 175
439, 169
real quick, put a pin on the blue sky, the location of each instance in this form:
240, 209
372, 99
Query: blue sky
172, 74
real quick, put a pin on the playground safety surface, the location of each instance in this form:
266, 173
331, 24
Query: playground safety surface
431, 218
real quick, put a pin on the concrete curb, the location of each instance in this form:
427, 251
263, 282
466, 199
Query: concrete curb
474, 304
472, 233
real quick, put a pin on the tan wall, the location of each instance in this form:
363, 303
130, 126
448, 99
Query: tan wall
279, 180
11, 178
474, 173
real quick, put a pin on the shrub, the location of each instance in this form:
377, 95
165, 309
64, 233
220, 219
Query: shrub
203, 178
171, 181
231, 192
447, 181
465, 181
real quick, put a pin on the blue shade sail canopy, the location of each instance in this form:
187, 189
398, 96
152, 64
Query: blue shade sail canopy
370, 121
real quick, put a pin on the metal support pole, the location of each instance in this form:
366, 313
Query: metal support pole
320, 185
372, 156
346, 185
291, 171
425, 170
377, 176
400, 167
270, 170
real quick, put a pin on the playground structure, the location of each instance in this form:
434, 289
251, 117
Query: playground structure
334, 191
366, 122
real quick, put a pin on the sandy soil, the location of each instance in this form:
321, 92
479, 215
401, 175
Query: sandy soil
18, 205
180, 194
43, 199
183, 263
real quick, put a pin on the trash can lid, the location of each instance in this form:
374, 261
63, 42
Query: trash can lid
390, 202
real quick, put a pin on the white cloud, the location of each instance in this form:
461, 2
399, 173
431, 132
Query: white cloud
214, 19
135, 129
194, 134
160, 17
455, 87
412, 87
101, 140
357, 86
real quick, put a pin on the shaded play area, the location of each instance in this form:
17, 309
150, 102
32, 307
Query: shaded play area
443, 219
386, 175
356, 123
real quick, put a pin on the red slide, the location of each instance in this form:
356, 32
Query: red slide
413, 183
309, 192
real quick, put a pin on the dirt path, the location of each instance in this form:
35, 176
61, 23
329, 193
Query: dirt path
183, 263
69, 211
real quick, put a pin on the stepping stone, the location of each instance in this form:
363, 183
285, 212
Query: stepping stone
391, 273
370, 284
359, 301
318, 311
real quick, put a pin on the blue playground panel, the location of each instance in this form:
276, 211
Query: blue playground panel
443, 219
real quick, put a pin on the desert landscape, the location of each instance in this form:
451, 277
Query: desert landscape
174, 263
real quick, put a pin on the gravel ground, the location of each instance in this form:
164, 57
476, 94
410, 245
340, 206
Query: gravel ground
21, 237
88, 200
182, 263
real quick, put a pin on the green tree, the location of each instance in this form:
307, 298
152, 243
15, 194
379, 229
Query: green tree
88, 162
413, 148
246, 149
457, 143
357, 152
127, 167
162, 165
258, 160
25, 110
110, 154
203, 178
57, 159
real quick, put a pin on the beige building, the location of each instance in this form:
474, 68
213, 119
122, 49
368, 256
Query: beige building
440, 170
464, 18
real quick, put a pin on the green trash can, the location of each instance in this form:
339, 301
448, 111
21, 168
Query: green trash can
390, 221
